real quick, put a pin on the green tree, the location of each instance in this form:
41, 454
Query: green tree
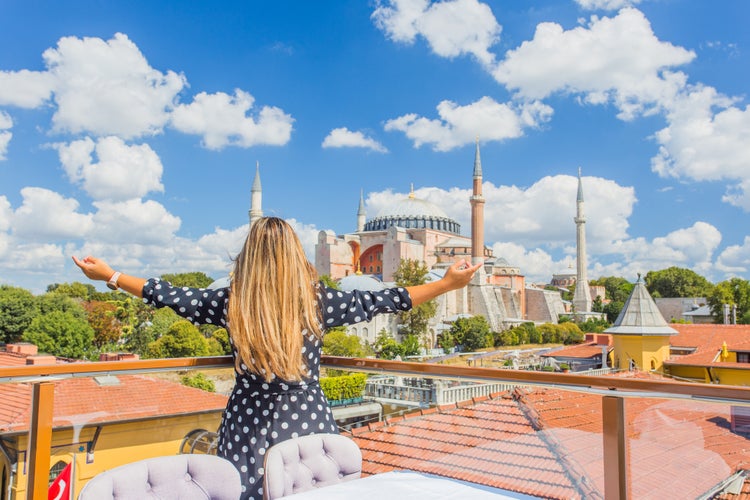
61, 333
52, 301
221, 336
677, 282
199, 381
734, 291
194, 280
182, 340
594, 325
410, 346
414, 322
328, 281
75, 290
386, 346
617, 290
337, 343
472, 333
17, 309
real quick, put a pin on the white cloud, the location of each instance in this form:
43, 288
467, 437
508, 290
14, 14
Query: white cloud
707, 139
460, 125
344, 138
535, 264
606, 4
223, 120
616, 59
540, 215
25, 89
47, 215
142, 222
32, 258
6, 123
452, 28
123, 172
735, 259
308, 236
108, 88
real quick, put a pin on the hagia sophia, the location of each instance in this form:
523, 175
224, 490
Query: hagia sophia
416, 229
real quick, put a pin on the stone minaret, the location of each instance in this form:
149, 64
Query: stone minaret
256, 195
477, 212
582, 297
361, 213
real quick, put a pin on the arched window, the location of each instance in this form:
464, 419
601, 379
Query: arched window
55, 471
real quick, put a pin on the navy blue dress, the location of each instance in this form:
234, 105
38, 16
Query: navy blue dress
259, 413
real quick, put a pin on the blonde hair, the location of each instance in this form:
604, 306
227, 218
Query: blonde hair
272, 300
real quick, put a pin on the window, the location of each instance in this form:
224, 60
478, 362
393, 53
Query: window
743, 357
55, 471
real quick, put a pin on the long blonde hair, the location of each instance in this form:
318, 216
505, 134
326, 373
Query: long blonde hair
272, 300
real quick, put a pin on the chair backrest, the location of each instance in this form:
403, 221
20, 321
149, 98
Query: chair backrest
170, 477
308, 462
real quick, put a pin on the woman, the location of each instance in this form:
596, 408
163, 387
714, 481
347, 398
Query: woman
275, 313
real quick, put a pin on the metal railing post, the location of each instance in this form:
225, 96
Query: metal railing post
40, 440
615, 448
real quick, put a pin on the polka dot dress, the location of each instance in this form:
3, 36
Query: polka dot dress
259, 413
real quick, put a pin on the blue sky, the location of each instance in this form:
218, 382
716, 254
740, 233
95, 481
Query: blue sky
131, 130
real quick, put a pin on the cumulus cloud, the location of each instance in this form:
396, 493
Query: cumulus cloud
223, 120
606, 4
47, 215
460, 125
617, 59
344, 138
25, 89
707, 139
539, 215
735, 259
144, 222
6, 123
108, 88
123, 172
451, 28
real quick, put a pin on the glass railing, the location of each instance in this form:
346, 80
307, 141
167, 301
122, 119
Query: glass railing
520, 434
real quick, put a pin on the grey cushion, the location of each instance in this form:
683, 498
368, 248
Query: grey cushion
171, 477
308, 462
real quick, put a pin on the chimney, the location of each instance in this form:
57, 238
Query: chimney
43, 359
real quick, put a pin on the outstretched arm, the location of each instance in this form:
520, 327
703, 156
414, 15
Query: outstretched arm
98, 270
458, 276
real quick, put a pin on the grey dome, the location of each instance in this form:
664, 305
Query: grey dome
413, 213
365, 282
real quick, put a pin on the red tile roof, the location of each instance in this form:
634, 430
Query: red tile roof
548, 443
707, 341
80, 401
581, 351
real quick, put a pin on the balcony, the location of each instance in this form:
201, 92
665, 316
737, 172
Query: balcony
518, 433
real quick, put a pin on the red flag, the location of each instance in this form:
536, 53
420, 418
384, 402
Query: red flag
60, 488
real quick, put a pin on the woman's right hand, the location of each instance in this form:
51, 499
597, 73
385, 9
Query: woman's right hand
93, 268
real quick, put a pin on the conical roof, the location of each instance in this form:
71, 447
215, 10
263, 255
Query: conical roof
640, 316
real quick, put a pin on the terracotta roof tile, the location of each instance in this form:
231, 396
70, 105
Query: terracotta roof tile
548, 443
83, 401
707, 341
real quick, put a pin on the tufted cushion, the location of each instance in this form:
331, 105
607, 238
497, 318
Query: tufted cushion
309, 462
172, 477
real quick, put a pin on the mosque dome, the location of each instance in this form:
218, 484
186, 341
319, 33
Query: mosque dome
363, 282
413, 213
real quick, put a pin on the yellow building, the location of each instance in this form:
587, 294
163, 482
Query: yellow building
100, 423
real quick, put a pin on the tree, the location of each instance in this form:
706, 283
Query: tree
617, 290
472, 333
102, 318
735, 292
337, 343
182, 340
75, 290
411, 273
386, 346
17, 309
677, 282
221, 337
61, 333
195, 279
198, 381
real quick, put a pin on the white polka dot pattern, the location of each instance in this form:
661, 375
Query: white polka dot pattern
259, 413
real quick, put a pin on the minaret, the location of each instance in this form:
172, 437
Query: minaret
256, 195
477, 212
361, 213
582, 296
